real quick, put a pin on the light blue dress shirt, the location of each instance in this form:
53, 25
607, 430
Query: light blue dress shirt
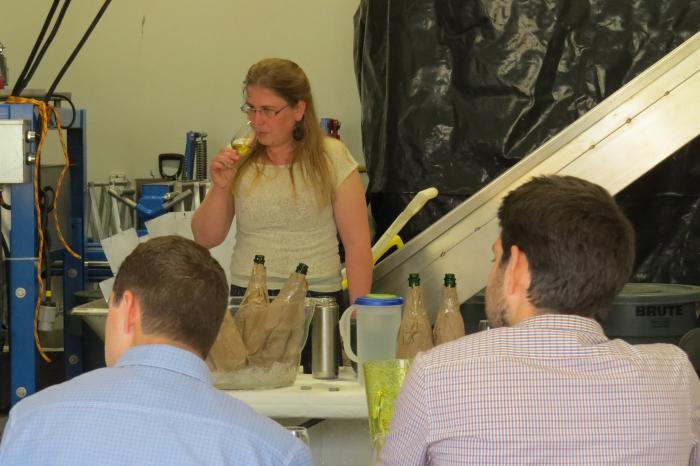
157, 406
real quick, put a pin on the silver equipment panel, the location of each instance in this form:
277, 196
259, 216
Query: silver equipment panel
12, 152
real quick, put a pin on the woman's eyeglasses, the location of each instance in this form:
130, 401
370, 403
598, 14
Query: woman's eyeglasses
267, 112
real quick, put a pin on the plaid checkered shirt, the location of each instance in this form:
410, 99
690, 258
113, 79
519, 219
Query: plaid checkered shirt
552, 390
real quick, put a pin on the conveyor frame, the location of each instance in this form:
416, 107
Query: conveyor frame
613, 144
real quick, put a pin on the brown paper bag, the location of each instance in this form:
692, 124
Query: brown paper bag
254, 303
278, 334
415, 333
228, 353
449, 324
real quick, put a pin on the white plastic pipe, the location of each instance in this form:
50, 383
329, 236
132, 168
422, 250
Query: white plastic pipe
411, 209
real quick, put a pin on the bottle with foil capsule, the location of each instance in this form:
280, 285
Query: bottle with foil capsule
415, 333
255, 300
449, 324
295, 288
286, 323
229, 352
257, 286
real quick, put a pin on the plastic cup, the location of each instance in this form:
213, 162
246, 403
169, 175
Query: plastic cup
383, 381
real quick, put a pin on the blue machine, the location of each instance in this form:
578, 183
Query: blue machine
150, 203
23, 245
155, 200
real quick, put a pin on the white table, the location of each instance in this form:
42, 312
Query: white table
343, 438
341, 398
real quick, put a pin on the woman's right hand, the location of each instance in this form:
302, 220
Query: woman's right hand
224, 167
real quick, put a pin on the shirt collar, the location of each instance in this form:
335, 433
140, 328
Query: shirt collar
568, 322
166, 357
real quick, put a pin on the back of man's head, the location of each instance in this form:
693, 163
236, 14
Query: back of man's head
181, 289
578, 243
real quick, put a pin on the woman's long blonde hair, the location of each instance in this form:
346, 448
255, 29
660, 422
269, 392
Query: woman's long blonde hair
288, 80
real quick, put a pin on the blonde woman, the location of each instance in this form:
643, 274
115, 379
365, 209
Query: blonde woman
292, 194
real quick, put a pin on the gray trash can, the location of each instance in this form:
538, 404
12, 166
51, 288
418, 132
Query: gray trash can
652, 313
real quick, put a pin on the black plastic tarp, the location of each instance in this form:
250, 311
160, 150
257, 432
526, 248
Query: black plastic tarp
664, 206
454, 92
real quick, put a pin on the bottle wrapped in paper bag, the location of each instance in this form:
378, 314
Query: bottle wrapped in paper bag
273, 334
279, 333
449, 324
415, 333
255, 301
229, 352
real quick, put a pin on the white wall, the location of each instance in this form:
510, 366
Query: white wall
154, 69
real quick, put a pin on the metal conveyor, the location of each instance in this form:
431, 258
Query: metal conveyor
613, 144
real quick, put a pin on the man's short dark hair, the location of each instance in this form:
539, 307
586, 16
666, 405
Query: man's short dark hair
181, 288
578, 243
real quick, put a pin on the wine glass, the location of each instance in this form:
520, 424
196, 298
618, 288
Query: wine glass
299, 432
484, 325
242, 140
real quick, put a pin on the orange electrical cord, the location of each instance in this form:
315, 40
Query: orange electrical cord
44, 108
59, 183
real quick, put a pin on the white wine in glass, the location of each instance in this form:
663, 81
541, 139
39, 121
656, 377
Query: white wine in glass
243, 140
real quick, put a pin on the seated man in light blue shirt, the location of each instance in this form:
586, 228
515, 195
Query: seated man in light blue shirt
154, 403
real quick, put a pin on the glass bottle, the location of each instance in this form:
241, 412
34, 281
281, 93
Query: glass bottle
449, 324
280, 334
295, 287
229, 352
415, 333
255, 300
257, 285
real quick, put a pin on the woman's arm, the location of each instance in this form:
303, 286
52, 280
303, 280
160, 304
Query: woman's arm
350, 211
212, 220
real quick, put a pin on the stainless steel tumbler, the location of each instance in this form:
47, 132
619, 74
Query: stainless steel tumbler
325, 339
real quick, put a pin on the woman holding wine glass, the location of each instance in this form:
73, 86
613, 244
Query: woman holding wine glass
292, 192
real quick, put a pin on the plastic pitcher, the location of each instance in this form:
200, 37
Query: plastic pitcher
378, 318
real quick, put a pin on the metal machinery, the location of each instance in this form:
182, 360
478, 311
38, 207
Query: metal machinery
116, 205
18, 126
22, 118
613, 144
156, 199
182, 189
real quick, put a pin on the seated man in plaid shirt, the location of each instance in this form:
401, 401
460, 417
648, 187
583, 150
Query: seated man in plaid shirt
545, 385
